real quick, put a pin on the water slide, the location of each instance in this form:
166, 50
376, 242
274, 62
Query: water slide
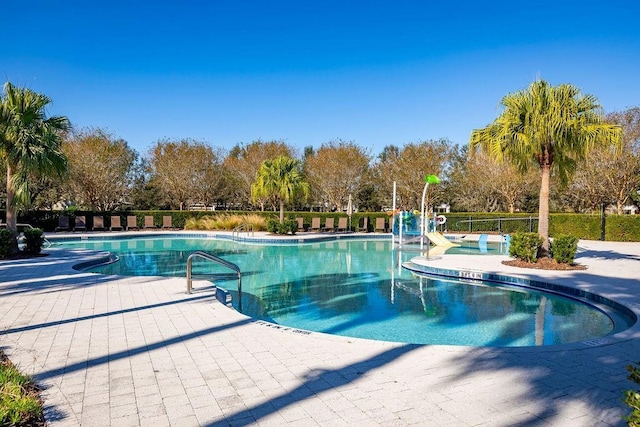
439, 240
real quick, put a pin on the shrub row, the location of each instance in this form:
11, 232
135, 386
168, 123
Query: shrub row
583, 226
526, 246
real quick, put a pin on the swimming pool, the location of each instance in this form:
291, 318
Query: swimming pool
356, 288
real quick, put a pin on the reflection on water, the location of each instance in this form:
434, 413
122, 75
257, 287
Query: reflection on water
356, 288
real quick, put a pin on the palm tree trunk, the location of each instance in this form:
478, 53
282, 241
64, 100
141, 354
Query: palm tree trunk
12, 223
281, 211
543, 208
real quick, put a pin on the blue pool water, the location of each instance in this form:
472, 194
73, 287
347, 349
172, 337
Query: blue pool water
355, 288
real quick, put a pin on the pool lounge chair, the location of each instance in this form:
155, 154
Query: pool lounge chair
300, 223
167, 222
63, 223
363, 225
115, 223
80, 223
342, 224
132, 223
380, 225
98, 223
148, 222
315, 224
328, 225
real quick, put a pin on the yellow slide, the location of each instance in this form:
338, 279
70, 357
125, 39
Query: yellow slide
439, 240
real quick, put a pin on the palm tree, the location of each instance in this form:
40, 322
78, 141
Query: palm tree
281, 178
551, 126
30, 142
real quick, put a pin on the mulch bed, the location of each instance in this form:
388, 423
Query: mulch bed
544, 263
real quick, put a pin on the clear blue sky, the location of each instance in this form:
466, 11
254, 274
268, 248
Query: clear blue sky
307, 72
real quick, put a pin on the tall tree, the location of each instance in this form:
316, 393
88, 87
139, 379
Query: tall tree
336, 170
408, 166
551, 126
281, 178
243, 163
101, 169
30, 142
187, 171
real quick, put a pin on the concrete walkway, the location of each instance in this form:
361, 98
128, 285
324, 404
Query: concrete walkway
129, 351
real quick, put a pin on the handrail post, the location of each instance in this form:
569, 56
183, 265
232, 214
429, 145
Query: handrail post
189, 281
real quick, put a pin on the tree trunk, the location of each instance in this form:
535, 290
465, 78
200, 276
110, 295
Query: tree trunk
12, 223
543, 209
281, 211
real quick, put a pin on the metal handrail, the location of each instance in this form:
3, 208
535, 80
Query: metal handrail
218, 260
245, 226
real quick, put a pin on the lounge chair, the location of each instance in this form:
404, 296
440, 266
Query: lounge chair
167, 222
148, 222
115, 223
328, 225
381, 225
98, 223
80, 223
300, 223
63, 223
342, 224
132, 223
315, 224
363, 224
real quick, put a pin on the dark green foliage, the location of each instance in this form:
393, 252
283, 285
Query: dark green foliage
621, 228
583, 226
288, 226
632, 397
6, 242
525, 246
33, 239
272, 225
564, 248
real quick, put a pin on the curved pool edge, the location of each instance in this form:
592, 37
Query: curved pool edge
629, 334
612, 308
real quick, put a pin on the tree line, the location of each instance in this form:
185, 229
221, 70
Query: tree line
103, 173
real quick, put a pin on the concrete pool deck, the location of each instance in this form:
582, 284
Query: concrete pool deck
116, 351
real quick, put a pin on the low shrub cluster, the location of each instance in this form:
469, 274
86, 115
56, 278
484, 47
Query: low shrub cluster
632, 397
6, 243
564, 248
525, 246
288, 226
33, 241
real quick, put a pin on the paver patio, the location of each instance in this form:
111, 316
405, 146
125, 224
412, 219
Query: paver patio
129, 351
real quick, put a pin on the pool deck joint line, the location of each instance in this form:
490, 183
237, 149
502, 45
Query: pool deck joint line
137, 351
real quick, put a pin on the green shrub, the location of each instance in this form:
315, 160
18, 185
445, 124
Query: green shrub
6, 242
564, 248
33, 239
272, 225
286, 227
525, 246
632, 397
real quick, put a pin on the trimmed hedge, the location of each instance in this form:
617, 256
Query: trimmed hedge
624, 228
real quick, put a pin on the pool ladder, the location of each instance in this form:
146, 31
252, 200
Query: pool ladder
218, 260
244, 227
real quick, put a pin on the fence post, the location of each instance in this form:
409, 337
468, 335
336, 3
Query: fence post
530, 224
470, 224
499, 225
